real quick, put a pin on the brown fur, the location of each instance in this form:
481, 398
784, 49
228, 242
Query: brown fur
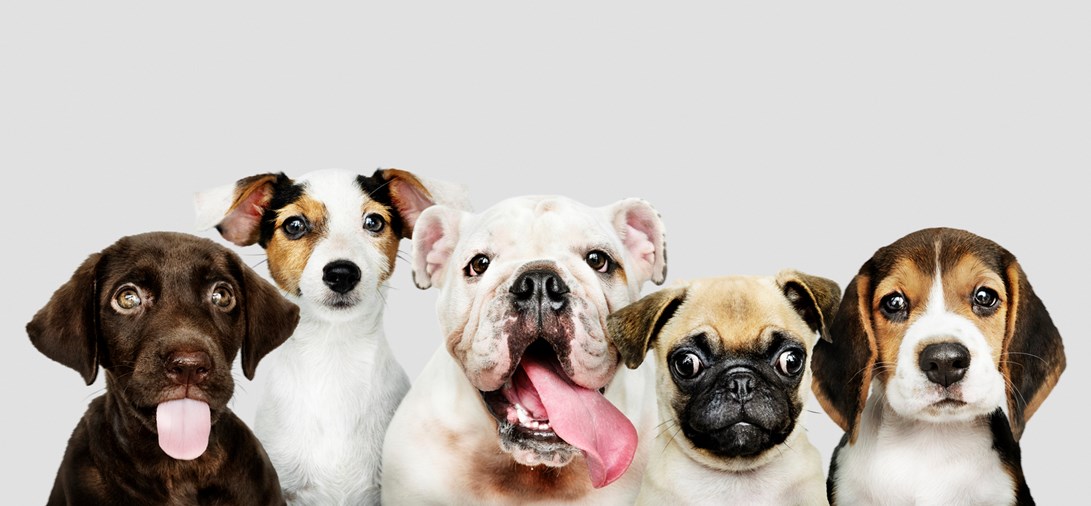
860, 334
386, 242
113, 456
288, 258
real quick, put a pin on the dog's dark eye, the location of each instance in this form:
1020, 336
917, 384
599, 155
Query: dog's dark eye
478, 265
374, 223
894, 306
598, 260
790, 362
128, 299
295, 227
985, 300
686, 365
222, 297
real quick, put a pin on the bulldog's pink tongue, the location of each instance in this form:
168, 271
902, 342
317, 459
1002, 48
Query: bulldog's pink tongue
183, 425
585, 419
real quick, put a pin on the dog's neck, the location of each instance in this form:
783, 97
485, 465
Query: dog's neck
359, 327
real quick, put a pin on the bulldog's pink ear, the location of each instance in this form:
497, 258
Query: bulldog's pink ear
434, 238
642, 233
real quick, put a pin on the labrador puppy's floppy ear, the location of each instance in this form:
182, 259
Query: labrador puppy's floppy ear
814, 298
411, 195
434, 241
633, 328
66, 329
1033, 357
644, 236
236, 209
270, 318
842, 363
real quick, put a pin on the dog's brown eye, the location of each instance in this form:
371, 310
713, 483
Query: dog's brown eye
222, 298
128, 299
478, 265
599, 261
894, 306
790, 362
686, 365
294, 227
985, 302
374, 223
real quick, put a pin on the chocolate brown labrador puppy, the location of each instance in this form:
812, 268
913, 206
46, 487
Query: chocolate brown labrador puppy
164, 314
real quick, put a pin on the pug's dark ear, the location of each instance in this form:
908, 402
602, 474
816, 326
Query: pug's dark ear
813, 297
1033, 354
270, 318
66, 329
633, 328
842, 364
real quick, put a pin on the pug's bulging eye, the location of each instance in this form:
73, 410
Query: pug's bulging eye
374, 223
599, 261
478, 265
686, 365
295, 227
790, 362
222, 297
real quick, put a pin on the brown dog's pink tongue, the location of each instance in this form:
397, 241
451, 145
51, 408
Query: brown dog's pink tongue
184, 425
585, 419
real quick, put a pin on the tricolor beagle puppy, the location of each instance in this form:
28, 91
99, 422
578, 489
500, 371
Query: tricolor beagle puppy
331, 237
944, 330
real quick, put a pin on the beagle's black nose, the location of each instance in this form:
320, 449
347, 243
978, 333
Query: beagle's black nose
540, 288
945, 363
341, 276
188, 367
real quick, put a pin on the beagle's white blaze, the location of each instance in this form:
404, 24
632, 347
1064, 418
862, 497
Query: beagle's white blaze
910, 392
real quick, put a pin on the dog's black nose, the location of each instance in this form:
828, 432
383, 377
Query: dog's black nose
740, 385
540, 286
188, 367
341, 276
945, 363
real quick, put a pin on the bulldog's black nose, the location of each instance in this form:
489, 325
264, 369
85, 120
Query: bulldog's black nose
740, 385
945, 363
188, 367
341, 275
540, 287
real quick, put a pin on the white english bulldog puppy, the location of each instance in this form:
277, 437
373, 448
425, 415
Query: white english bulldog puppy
525, 402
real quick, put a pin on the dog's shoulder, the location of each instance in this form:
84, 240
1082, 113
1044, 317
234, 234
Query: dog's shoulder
1010, 455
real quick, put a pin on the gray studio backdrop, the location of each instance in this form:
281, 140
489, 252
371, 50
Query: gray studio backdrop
769, 136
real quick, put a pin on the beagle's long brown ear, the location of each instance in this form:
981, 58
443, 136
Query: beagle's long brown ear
1033, 355
66, 329
236, 209
843, 362
634, 327
814, 298
270, 318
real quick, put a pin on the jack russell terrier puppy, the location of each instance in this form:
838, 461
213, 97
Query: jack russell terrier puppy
524, 403
331, 238
731, 355
944, 330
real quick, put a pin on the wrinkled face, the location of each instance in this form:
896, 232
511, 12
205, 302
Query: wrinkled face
332, 239
531, 281
939, 316
733, 371
172, 320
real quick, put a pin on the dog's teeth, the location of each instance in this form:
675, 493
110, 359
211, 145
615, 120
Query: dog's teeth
544, 426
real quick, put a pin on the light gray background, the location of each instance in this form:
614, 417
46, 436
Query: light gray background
768, 136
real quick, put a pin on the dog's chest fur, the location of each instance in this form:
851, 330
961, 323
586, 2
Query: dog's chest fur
332, 393
893, 457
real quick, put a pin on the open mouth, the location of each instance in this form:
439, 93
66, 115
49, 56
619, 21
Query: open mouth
541, 411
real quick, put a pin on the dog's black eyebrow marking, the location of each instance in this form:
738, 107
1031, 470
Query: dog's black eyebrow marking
378, 189
285, 192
